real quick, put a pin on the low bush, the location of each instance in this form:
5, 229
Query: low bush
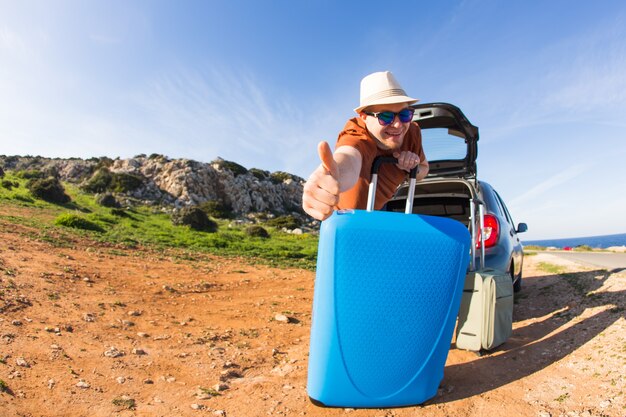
288, 222
30, 174
8, 184
48, 189
52, 171
77, 222
104, 180
123, 182
257, 231
217, 209
107, 200
195, 218
259, 173
1, 172
159, 157
233, 167
279, 177
99, 181
103, 162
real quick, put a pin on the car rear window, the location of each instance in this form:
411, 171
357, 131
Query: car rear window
443, 144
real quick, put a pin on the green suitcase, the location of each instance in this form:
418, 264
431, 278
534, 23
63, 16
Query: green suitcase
485, 319
486, 315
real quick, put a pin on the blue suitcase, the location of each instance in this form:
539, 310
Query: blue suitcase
387, 293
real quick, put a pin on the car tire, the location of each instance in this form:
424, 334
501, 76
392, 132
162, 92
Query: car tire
517, 283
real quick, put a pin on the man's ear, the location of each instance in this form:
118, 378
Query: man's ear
362, 115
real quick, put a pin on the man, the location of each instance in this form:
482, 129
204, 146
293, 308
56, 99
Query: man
383, 128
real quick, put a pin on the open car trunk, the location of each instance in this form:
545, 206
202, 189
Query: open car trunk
446, 198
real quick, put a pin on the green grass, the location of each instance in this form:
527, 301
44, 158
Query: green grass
534, 247
149, 227
551, 268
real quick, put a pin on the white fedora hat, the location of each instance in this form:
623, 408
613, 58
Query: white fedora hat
382, 88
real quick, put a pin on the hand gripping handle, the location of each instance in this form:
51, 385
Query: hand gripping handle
371, 195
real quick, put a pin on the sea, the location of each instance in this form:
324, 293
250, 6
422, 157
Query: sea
600, 242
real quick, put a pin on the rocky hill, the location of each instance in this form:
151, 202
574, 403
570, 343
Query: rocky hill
175, 183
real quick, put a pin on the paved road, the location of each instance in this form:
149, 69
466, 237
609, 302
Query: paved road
608, 260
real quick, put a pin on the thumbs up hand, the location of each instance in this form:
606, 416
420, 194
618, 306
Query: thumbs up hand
321, 191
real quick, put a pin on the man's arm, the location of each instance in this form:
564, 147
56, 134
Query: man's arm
337, 173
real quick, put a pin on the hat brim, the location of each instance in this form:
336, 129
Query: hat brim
387, 100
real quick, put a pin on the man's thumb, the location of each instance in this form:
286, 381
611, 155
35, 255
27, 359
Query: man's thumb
326, 155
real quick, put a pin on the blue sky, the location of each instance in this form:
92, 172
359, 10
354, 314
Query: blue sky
261, 82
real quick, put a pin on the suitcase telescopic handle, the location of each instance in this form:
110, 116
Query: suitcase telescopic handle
476, 202
371, 195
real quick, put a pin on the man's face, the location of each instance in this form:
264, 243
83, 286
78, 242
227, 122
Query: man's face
391, 136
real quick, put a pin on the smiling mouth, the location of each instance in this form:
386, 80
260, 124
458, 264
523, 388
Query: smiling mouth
393, 135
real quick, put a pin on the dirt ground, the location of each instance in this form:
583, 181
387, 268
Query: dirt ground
94, 330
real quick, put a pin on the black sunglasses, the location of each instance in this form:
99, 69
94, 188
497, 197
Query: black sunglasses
387, 117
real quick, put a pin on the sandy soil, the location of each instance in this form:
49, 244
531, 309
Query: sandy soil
91, 330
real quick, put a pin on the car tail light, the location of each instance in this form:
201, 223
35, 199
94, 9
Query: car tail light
491, 232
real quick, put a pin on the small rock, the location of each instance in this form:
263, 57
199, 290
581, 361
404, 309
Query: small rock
226, 375
195, 406
113, 352
127, 323
157, 400
51, 383
220, 387
281, 318
22, 362
219, 413
134, 313
16, 323
88, 317
139, 351
68, 328
605, 404
148, 381
544, 414
55, 347
82, 384
120, 379
142, 334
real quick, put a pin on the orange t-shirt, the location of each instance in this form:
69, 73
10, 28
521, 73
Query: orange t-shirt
355, 134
